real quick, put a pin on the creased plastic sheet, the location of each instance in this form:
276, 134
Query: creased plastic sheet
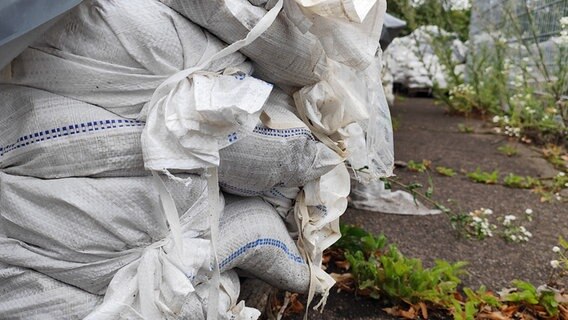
375, 197
28, 294
87, 232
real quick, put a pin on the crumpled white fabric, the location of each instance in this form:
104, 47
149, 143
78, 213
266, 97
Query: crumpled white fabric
317, 210
198, 117
373, 196
352, 10
349, 31
345, 97
350, 90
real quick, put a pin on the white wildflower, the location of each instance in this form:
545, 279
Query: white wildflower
555, 264
496, 119
555, 249
507, 220
529, 211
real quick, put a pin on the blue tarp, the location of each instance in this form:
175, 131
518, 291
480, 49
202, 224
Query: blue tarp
23, 21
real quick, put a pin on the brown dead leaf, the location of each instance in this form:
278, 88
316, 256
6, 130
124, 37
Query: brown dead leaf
423, 310
563, 312
343, 264
344, 281
295, 306
408, 314
509, 310
458, 296
394, 311
325, 259
341, 277
398, 312
561, 297
495, 315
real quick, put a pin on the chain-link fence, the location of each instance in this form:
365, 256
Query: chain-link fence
527, 25
528, 18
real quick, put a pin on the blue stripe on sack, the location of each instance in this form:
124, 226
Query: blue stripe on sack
261, 242
71, 129
277, 193
322, 208
241, 190
284, 133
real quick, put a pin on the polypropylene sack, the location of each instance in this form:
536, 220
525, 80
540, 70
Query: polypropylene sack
282, 54
280, 152
195, 307
187, 119
50, 136
87, 232
255, 239
28, 294
114, 54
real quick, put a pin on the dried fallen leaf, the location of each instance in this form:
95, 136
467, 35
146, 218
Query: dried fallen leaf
509, 310
343, 264
423, 309
561, 297
344, 281
295, 306
495, 315
408, 314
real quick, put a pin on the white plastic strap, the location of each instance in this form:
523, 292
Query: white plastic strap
212, 175
171, 213
262, 25
213, 198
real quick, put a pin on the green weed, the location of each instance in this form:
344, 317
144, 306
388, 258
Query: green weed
514, 181
508, 150
448, 172
484, 177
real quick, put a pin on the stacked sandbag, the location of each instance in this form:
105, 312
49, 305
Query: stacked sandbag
414, 63
124, 121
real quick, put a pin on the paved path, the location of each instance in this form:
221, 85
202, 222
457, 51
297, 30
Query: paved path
426, 132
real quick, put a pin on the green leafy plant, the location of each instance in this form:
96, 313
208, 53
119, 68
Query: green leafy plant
464, 128
527, 295
484, 177
418, 166
555, 155
514, 181
379, 270
445, 171
508, 150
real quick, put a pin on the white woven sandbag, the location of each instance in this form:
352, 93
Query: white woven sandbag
195, 307
283, 54
349, 31
255, 240
50, 136
280, 152
114, 54
27, 294
164, 63
82, 231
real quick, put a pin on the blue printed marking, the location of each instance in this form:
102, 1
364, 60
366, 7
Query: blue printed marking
232, 137
70, 129
241, 190
284, 133
322, 208
277, 193
261, 242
